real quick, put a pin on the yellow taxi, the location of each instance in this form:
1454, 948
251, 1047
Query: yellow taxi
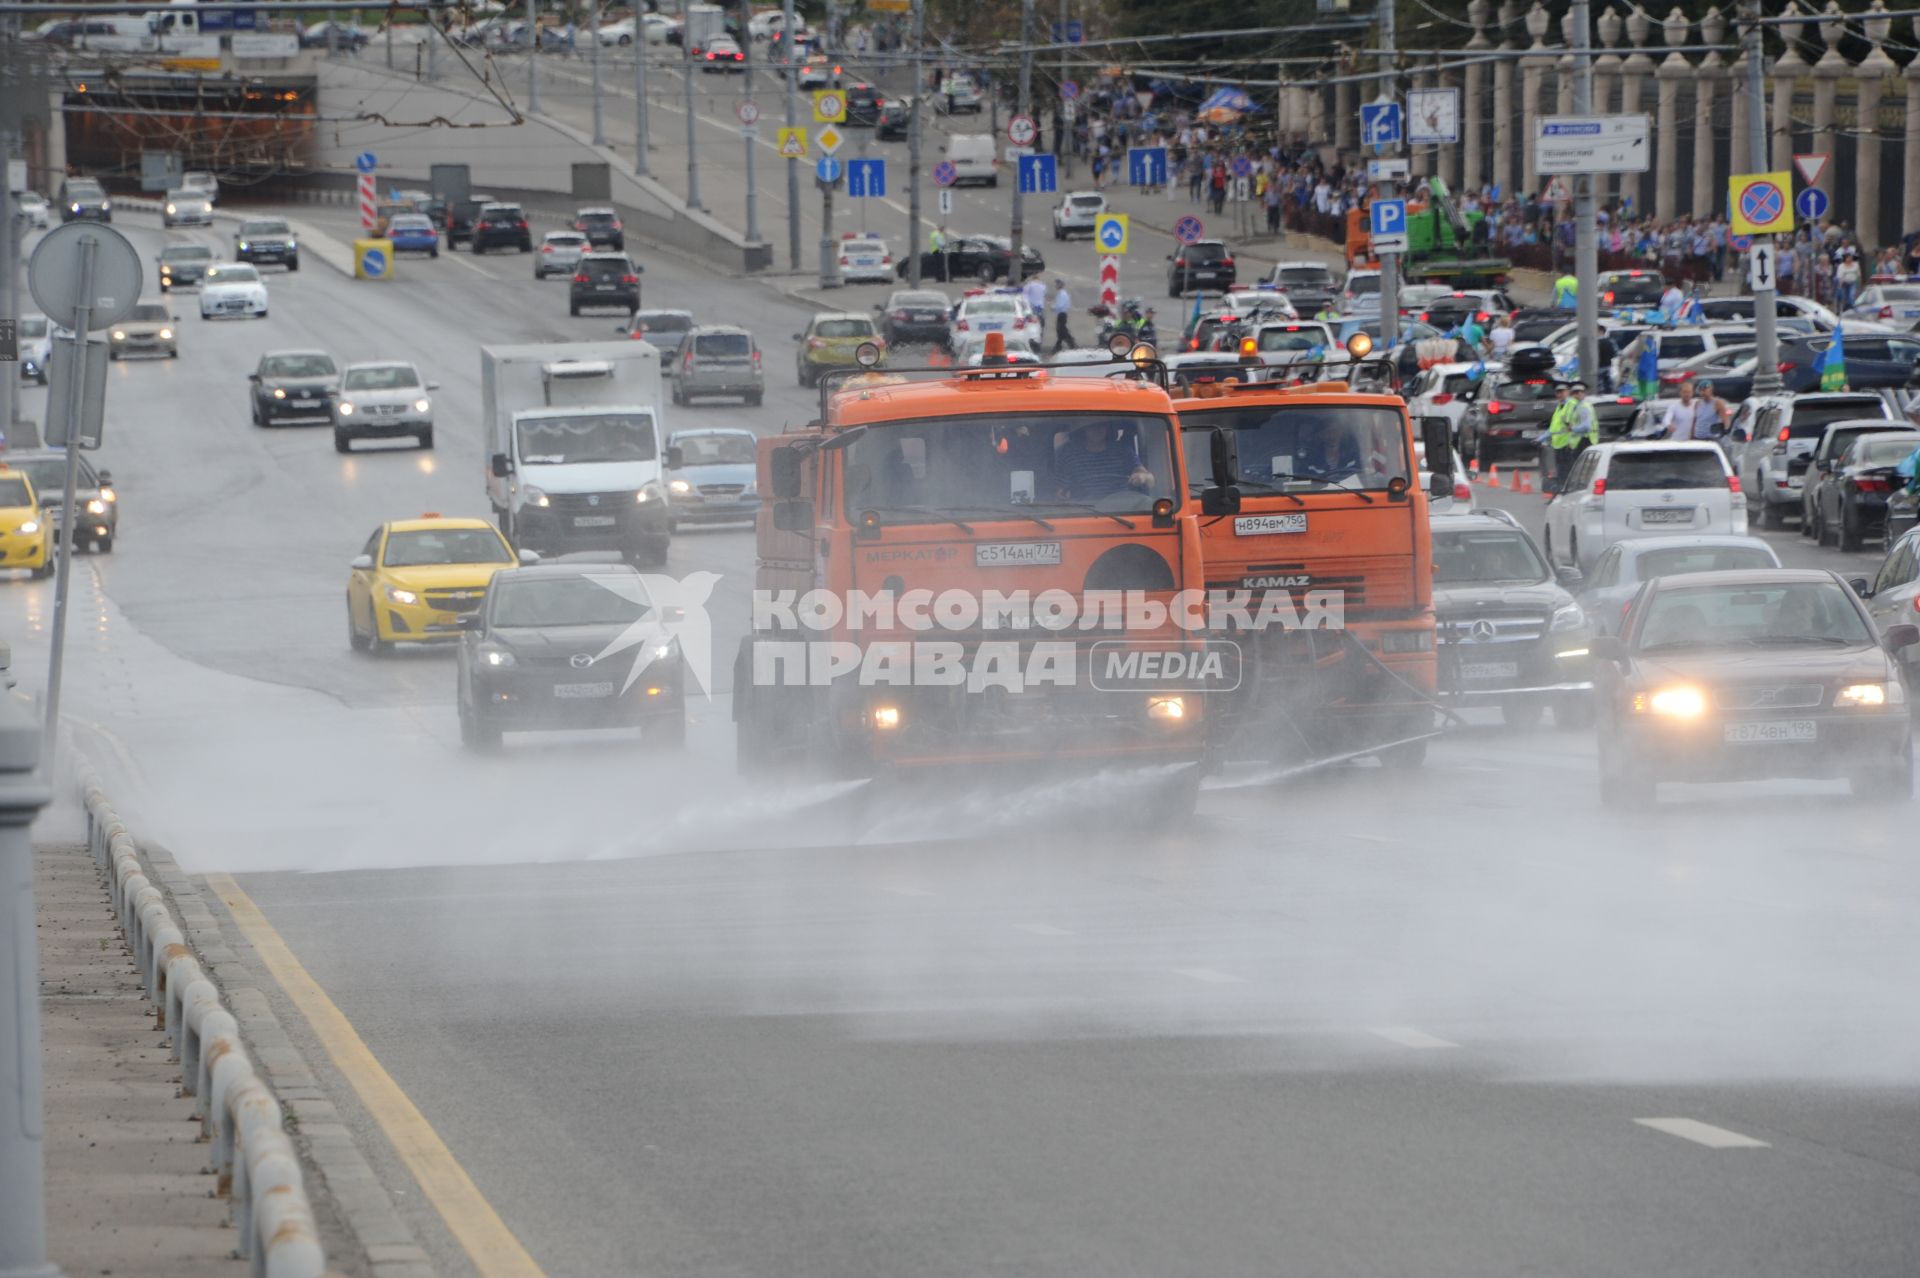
25, 540
416, 578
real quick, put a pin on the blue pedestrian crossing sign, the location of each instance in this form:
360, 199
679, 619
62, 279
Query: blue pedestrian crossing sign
1812, 204
1380, 124
866, 179
1387, 225
1147, 166
1110, 232
1039, 174
828, 169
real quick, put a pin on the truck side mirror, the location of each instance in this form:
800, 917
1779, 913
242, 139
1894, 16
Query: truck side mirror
1436, 433
1226, 466
1439, 485
675, 457
793, 516
785, 467
502, 465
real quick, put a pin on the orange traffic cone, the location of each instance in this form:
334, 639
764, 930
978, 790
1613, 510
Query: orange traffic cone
1473, 468
1522, 483
1493, 476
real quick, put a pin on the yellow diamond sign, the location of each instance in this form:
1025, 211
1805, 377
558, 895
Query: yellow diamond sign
792, 143
830, 139
829, 106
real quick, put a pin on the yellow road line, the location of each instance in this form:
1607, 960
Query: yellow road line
489, 1244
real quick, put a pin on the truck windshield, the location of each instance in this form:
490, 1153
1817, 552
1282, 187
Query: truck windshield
581, 438
928, 470
1296, 448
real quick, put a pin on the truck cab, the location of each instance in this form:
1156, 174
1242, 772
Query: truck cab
950, 566
1312, 488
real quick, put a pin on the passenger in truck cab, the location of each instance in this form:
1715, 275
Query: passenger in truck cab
1097, 461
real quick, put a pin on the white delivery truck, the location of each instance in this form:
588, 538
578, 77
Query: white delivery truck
703, 23
575, 459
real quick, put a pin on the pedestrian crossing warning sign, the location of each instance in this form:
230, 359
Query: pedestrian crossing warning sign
792, 143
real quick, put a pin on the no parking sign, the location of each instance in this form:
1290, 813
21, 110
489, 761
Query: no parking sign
1761, 203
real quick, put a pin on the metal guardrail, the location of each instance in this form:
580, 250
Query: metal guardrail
257, 1167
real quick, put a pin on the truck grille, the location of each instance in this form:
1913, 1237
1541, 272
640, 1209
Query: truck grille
721, 490
590, 503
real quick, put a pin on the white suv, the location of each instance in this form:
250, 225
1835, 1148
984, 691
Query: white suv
1772, 438
1077, 214
1617, 492
1445, 390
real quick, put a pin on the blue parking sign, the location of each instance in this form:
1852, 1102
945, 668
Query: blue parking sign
1038, 175
1147, 166
1389, 217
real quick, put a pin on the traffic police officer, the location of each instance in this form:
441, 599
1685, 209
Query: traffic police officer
1572, 428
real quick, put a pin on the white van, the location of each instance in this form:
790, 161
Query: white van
973, 159
1617, 492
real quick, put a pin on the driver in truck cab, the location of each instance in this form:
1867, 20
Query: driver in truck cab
1097, 461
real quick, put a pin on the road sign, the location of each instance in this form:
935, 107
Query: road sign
1147, 166
791, 143
1433, 116
1188, 230
1812, 203
944, 173
1760, 266
365, 162
946, 201
1380, 124
1388, 225
1740, 243
1021, 130
1038, 174
1069, 89
829, 106
1110, 233
374, 262
829, 139
53, 275
1811, 167
1388, 170
1242, 166
1759, 203
9, 343
1591, 144
827, 169
747, 111
263, 44
866, 179
1073, 32
1110, 284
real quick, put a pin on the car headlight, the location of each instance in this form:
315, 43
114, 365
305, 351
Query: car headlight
31, 527
74, 207
279, 393
422, 405
119, 334
534, 496
107, 494
166, 335
650, 493
171, 209
499, 658
679, 486
1568, 617
400, 596
1872, 695
346, 409
105, 205
243, 246
1680, 702
96, 507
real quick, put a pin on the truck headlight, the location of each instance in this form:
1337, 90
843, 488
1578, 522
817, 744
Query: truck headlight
1167, 709
1406, 641
534, 496
886, 718
1568, 617
651, 493
1870, 695
96, 507
399, 596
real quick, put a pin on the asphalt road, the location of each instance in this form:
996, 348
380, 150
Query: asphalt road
1460, 1021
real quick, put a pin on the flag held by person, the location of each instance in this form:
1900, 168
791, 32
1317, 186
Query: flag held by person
1832, 364
1647, 372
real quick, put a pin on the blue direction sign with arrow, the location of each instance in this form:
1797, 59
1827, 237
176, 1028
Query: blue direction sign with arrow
1147, 166
1812, 204
828, 169
1039, 174
1380, 124
866, 179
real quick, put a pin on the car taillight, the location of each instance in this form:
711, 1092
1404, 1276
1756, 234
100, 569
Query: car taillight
845, 260
1785, 366
756, 356
902, 316
616, 224
1461, 492
1886, 312
1870, 484
579, 226
546, 248
1499, 406
1443, 397
522, 224
815, 343
1782, 436
1623, 399
687, 362
1606, 299
629, 279
1599, 488
580, 279
886, 259
1733, 483
1226, 261
961, 326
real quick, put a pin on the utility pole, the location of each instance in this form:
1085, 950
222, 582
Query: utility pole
913, 141
787, 29
1766, 329
533, 54
1586, 241
1389, 262
9, 268
599, 107
1015, 274
642, 135
693, 150
23, 1157
1063, 111
753, 190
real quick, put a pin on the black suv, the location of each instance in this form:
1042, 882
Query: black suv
461, 215
293, 386
502, 226
894, 121
602, 229
604, 279
863, 105
1206, 264
84, 200
266, 239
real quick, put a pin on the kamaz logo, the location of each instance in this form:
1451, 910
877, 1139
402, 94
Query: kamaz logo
1277, 581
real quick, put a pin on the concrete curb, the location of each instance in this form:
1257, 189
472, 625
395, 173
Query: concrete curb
264, 1131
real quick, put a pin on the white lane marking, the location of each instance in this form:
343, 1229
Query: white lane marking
475, 267
909, 891
1407, 1036
1702, 1133
1043, 929
1208, 976
1370, 838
